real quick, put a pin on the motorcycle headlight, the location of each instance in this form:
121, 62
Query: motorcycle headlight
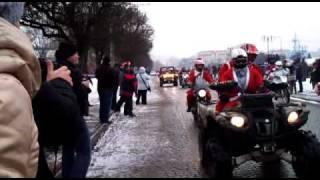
202, 93
293, 117
237, 121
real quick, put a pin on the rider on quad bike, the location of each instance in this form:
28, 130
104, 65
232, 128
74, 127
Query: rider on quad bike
199, 78
252, 53
249, 80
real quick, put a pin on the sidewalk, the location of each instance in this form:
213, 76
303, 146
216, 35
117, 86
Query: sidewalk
308, 94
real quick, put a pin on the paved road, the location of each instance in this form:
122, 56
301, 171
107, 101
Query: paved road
162, 142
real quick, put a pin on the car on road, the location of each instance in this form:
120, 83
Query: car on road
168, 75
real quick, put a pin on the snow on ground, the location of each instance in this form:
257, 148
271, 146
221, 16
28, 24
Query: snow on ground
117, 143
307, 86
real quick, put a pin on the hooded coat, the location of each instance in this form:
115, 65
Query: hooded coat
20, 79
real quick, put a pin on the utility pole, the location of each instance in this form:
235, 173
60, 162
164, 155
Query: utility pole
295, 42
268, 39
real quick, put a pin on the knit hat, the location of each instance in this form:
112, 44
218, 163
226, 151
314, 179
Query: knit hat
12, 11
65, 51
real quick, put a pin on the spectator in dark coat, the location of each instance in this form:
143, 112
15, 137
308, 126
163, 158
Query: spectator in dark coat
115, 90
108, 80
67, 55
315, 75
76, 158
301, 73
55, 109
128, 87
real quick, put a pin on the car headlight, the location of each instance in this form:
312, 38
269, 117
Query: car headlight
202, 93
237, 121
293, 117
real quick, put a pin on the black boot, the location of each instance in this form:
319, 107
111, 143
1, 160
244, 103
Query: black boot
189, 109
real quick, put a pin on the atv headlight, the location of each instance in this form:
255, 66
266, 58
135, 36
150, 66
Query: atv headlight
202, 93
237, 121
293, 117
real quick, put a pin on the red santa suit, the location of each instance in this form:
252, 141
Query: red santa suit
193, 78
254, 81
224, 68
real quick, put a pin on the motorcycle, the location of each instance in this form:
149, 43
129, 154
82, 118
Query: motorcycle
184, 80
201, 98
257, 130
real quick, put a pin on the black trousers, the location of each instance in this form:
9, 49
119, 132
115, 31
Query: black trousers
142, 94
300, 85
293, 87
43, 168
128, 104
114, 99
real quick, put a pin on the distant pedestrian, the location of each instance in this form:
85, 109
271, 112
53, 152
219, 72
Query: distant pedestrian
108, 81
143, 85
128, 87
301, 73
117, 69
315, 74
292, 79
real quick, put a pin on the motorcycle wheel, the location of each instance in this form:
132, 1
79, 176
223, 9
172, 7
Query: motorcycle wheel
306, 155
216, 161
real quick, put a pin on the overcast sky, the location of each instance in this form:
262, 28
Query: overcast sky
184, 28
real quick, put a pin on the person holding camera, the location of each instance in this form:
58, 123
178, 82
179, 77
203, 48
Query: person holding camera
143, 86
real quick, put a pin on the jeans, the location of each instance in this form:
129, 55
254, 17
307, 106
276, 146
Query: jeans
128, 104
76, 157
106, 97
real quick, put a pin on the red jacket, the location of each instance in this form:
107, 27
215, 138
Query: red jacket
206, 76
128, 85
224, 68
253, 85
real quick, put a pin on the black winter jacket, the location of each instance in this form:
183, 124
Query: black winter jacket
108, 78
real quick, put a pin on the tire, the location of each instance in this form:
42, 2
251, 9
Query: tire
216, 161
306, 155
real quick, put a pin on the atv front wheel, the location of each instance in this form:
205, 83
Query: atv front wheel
216, 161
306, 155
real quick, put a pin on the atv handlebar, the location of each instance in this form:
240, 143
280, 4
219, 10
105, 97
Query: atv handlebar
220, 86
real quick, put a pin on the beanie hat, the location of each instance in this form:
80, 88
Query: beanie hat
12, 11
65, 51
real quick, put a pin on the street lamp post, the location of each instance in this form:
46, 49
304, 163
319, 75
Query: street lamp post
268, 39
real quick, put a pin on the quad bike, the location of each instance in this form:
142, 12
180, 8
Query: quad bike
260, 129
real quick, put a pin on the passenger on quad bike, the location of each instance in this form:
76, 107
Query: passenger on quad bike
249, 80
252, 53
279, 73
198, 79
